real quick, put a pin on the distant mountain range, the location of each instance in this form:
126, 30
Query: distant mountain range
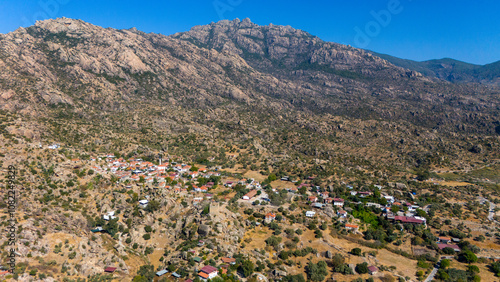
450, 70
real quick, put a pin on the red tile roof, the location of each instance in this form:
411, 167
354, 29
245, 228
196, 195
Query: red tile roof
110, 269
405, 219
228, 260
208, 269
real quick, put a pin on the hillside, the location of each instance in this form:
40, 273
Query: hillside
239, 81
137, 152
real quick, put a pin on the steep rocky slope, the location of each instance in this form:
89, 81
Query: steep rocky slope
232, 80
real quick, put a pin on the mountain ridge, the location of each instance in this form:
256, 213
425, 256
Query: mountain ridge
233, 79
451, 70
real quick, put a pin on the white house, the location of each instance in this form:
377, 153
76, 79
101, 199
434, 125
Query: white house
208, 272
143, 203
310, 213
342, 213
389, 199
338, 202
110, 215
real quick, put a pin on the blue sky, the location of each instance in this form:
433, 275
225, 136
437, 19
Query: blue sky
412, 29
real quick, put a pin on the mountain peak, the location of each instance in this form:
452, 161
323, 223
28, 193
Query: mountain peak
64, 25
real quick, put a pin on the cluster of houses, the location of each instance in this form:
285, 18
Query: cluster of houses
135, 169
405, 215
206, 272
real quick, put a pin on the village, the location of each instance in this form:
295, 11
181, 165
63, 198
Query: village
195, 185
170, 219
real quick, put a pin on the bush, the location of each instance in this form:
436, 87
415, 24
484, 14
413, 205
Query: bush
356, 251
468, 257
247, 268
146, 236
448, 251
316, 272
473, 269
362, 268
445, 263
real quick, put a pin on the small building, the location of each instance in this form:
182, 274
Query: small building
250, 195
312, 199
176, 275
197, 259
317, 205
110, 269
270, 217
444, 240
97, 229
352, 227
372, 270
279, 273
208, 272
229, 260
342, 213
161, 272
389, 199
412, 220
109, 216
328, 200
364, 194
310, 213
338, 202
143, 203
456, 248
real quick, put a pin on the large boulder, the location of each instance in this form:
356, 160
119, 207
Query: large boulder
204, 230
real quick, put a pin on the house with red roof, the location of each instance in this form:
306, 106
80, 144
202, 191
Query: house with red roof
312, 199
208, 272
250, 195
352, 227
270, 217
338, 202
372, 270
229, 260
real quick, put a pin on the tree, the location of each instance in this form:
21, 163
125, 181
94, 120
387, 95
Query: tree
153, 206
394, 209
273, 241
247, 267
206, 210
468, 257
112, 226
495, 268
473, 269
448, 251
441, 274
445, 263
356, 251
146, 272
362, 268
316, 272
271, 177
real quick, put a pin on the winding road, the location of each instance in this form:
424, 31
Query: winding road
436, 268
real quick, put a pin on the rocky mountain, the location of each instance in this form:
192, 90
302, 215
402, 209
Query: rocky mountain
234, 77
450, 70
